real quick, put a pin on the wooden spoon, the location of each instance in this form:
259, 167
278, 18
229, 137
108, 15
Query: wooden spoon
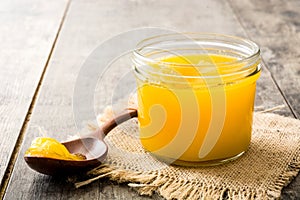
92, 147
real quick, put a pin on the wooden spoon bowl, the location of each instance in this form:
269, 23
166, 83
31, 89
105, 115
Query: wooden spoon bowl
92, 147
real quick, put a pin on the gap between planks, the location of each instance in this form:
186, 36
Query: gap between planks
16, 150
264, 63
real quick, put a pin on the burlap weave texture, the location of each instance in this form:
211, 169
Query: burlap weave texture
271, 161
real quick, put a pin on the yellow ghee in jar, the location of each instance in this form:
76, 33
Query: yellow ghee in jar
195, 124
51, 148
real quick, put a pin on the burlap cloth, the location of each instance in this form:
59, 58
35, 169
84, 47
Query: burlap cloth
271, 162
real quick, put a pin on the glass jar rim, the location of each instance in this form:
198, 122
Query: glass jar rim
203, 36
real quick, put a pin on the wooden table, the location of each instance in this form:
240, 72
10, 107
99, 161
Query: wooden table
43, 46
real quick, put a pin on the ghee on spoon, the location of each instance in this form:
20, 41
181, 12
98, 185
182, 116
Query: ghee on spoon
75, 155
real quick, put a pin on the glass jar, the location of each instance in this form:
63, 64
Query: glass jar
196, 96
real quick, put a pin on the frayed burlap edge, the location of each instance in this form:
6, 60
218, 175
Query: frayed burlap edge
170, 188
283, 180
147, 183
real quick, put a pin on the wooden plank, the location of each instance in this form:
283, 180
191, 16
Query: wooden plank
28, 29
275, 26
87, 25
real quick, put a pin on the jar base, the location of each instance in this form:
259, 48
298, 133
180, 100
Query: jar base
207, 163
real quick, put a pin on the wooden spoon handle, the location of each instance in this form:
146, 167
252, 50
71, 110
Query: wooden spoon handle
124, 116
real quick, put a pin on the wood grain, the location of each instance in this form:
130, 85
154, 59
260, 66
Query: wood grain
88, 23
275, 26
28, 30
